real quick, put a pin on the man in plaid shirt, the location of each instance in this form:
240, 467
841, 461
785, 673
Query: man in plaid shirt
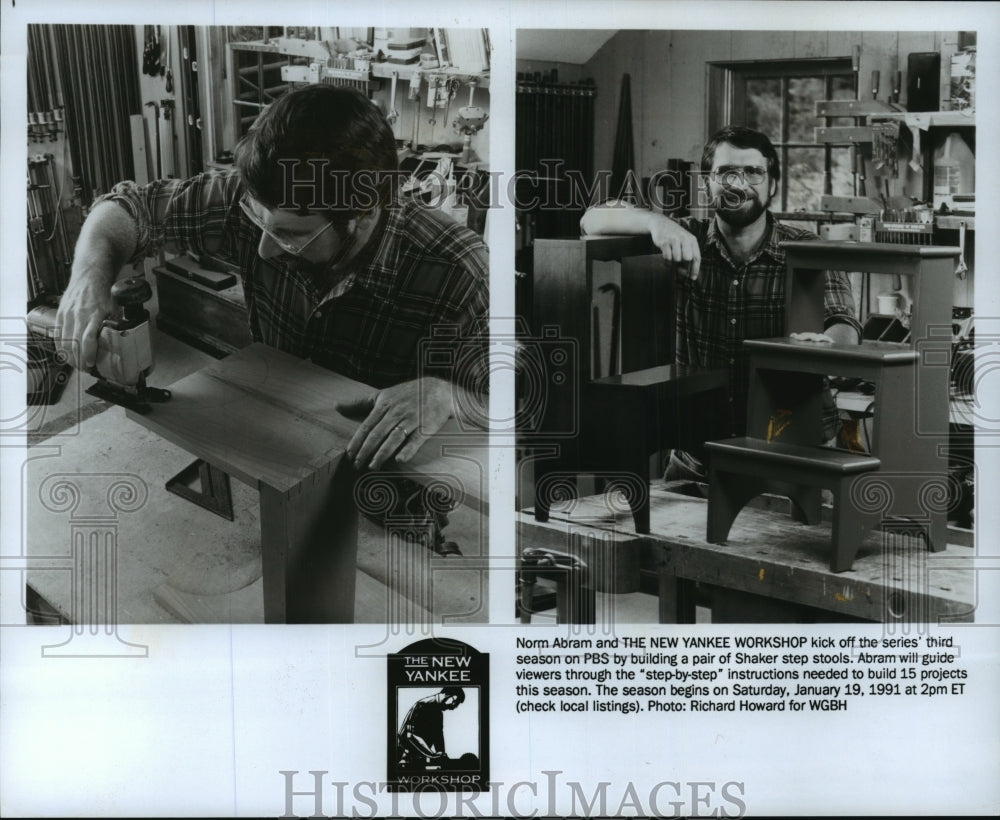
731, 282
336, 268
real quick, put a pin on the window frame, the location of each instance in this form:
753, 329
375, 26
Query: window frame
727, 103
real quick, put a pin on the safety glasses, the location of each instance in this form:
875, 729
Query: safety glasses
292, 244
728, 174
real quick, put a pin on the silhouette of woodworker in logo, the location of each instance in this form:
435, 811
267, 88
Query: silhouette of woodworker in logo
420, 741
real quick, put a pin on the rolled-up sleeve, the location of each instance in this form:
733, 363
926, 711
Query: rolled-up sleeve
838, 301
200, 214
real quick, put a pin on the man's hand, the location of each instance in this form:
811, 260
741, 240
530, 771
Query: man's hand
107, 239
676, 244
400, 419
82, 310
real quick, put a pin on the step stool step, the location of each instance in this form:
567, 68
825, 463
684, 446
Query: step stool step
819, 459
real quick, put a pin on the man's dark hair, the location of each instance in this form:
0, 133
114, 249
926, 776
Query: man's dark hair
742, 137
319, 130
454, 691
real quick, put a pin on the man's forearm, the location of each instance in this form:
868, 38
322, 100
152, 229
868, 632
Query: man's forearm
107, 241
843, 333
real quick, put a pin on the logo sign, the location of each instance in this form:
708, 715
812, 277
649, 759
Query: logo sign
438, 736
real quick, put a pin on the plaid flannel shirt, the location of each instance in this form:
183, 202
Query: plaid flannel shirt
423, 276
728, 303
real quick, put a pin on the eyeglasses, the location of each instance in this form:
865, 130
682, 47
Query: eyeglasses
728, 174
293, 245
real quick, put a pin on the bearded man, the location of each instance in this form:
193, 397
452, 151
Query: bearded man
731, 279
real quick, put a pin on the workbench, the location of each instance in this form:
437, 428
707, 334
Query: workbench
291, 556
772, 570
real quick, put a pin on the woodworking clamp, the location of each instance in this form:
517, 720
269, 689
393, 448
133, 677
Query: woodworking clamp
575, 600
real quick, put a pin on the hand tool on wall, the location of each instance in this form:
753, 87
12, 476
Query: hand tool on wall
156, 129
961, 269
168, 139
169, 87
124, 350
393, 114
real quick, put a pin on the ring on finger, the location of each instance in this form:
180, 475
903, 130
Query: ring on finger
402, 430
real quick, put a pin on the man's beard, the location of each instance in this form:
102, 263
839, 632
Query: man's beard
744, 207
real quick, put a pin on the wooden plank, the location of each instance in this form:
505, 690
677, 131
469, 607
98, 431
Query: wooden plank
851, 108
844, 133
849, 204
309, 539
762, 45
841, 43
811, 44
240, 607
140, 155
268, 418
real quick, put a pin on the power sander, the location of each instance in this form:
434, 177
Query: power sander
124, 351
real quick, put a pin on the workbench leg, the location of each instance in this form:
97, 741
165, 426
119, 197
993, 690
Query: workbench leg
640, 514
576, 601
676, 599
728, 493
309, 542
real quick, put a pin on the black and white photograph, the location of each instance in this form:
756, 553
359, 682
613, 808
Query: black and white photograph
513, 409
762, 443
256, 311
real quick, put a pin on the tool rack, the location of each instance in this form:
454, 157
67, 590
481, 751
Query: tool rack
904, 478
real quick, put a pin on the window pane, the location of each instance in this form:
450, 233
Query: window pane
841, 172
803, 93
764, 106
804, 172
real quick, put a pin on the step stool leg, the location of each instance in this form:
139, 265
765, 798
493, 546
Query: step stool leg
728, 493
807, 504
848, 528
937, 535
640, 512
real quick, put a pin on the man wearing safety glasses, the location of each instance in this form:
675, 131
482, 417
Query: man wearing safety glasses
336, 267
731, 279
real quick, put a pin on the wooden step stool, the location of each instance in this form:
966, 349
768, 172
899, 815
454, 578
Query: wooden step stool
785, 402
738, 466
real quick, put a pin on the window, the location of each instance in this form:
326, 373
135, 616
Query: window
779, 98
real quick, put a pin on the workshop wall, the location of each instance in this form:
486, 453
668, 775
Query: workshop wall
669, 78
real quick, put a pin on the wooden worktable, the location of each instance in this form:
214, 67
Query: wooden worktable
768, 559
268, 419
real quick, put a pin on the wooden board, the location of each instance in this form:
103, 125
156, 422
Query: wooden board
267, 417
140, 156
